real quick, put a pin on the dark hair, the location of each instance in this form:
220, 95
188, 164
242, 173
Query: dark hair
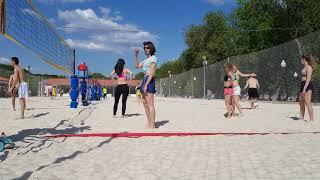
15, 60
118, 68
229, 66
151, 46
309, 58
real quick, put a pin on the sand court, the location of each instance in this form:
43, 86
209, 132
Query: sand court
273, 156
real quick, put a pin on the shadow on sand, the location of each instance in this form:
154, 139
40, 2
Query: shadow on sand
161, 123
28, 174
131, 115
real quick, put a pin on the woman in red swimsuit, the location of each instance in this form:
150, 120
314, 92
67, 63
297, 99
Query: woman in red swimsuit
228, 90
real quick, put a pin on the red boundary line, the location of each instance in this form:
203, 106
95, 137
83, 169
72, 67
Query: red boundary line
168, 134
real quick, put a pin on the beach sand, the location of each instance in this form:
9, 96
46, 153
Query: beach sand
273, 156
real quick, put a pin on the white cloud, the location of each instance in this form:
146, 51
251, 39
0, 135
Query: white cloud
104, 31
4, 60
218, 2
106, 13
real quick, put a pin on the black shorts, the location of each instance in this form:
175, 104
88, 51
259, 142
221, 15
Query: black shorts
309, 88
253, 93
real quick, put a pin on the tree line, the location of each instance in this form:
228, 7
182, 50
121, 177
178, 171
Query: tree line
252, 26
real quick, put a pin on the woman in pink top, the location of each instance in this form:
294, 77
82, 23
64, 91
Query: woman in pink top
122, 86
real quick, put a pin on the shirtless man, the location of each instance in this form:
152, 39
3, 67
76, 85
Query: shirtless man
253, 85
19, 85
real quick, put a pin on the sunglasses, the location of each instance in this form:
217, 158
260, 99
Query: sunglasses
146, 47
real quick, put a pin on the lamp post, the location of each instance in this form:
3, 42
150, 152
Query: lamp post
194, 79
169, 72
174, 92
28, 69
205, 63
284, 65
295, 75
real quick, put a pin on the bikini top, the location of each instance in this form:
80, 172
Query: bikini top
226, 77
235, 77
123, 76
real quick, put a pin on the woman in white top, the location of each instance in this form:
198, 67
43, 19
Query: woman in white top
148, 84
306, 87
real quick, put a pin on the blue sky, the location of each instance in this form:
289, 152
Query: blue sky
160, 21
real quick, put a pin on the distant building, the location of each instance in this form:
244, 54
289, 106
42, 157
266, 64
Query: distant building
64, 84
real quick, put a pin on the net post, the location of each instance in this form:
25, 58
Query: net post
74, 62
2, 16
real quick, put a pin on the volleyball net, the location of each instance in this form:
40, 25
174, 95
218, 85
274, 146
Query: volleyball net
22, 23
278, 70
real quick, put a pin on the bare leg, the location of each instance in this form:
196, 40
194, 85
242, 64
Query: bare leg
307, 101
302, 107
228, 105
233, 107
254, 101
152, 111
13, 98
146, 107
236, 100
23, 106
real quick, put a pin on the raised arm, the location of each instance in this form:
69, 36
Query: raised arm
245, 75
136, 62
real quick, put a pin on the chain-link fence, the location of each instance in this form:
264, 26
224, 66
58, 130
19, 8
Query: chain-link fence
281, 83
35, 85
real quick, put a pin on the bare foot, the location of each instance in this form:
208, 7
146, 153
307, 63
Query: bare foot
152, 127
